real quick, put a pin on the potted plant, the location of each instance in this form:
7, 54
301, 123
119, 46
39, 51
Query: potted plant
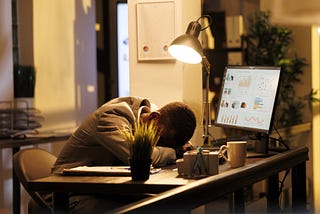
141, 139
268, 45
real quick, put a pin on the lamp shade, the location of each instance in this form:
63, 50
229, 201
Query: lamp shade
187, 47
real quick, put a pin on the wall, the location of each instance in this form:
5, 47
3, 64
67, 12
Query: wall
65, 60
163, 81
294, 11
316, 117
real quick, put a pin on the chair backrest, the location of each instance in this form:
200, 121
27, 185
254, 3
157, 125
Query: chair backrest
30, 164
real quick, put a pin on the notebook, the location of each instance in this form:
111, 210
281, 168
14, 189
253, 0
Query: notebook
98, 170
103, 170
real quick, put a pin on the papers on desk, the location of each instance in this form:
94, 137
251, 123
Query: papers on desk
103, 170
98, 170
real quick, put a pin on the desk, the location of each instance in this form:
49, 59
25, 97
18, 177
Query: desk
164, 180
189, 193
15, 145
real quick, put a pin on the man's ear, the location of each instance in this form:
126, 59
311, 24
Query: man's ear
154, 115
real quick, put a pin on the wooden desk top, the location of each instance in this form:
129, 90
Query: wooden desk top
184, 198
255, 169
167, 178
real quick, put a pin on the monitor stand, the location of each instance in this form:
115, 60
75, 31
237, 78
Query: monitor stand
261, 147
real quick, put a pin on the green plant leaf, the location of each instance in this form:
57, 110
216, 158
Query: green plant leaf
142, 138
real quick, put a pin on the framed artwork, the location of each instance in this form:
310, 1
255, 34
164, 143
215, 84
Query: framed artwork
155, 29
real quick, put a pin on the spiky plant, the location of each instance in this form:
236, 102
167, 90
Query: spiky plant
142, 138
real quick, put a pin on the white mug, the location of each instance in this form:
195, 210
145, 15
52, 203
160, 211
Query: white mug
236, 153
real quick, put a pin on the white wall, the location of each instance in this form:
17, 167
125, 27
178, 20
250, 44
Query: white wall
164, 81
316, 117
65, 61
295, 12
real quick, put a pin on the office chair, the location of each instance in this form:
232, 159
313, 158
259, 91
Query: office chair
30, 164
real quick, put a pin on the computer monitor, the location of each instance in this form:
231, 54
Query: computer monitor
248, 98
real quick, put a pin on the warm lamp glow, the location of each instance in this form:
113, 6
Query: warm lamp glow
187, 47
185, 54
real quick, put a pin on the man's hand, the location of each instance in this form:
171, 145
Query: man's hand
182, 149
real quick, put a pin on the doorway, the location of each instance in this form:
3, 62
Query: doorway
112, 49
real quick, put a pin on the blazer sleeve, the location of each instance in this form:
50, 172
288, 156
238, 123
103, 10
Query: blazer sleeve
162, 156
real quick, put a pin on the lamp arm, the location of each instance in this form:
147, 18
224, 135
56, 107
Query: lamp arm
207, 105
206, 64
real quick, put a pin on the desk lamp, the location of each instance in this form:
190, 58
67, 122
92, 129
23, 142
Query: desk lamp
187, 48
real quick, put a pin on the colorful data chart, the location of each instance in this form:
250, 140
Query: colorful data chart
229, 119
254, 120
258, 103
245, 81
229, 77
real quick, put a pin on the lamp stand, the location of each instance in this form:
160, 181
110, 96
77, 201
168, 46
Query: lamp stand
206, 120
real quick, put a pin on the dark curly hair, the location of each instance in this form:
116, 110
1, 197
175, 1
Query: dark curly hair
177, 123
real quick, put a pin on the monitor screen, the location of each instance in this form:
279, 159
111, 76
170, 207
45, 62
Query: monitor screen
248, 96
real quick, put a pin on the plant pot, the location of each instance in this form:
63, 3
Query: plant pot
140, 169
24, 81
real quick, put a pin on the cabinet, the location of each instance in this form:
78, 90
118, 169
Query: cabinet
228, 48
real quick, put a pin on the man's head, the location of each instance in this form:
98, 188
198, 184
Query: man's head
176, 122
